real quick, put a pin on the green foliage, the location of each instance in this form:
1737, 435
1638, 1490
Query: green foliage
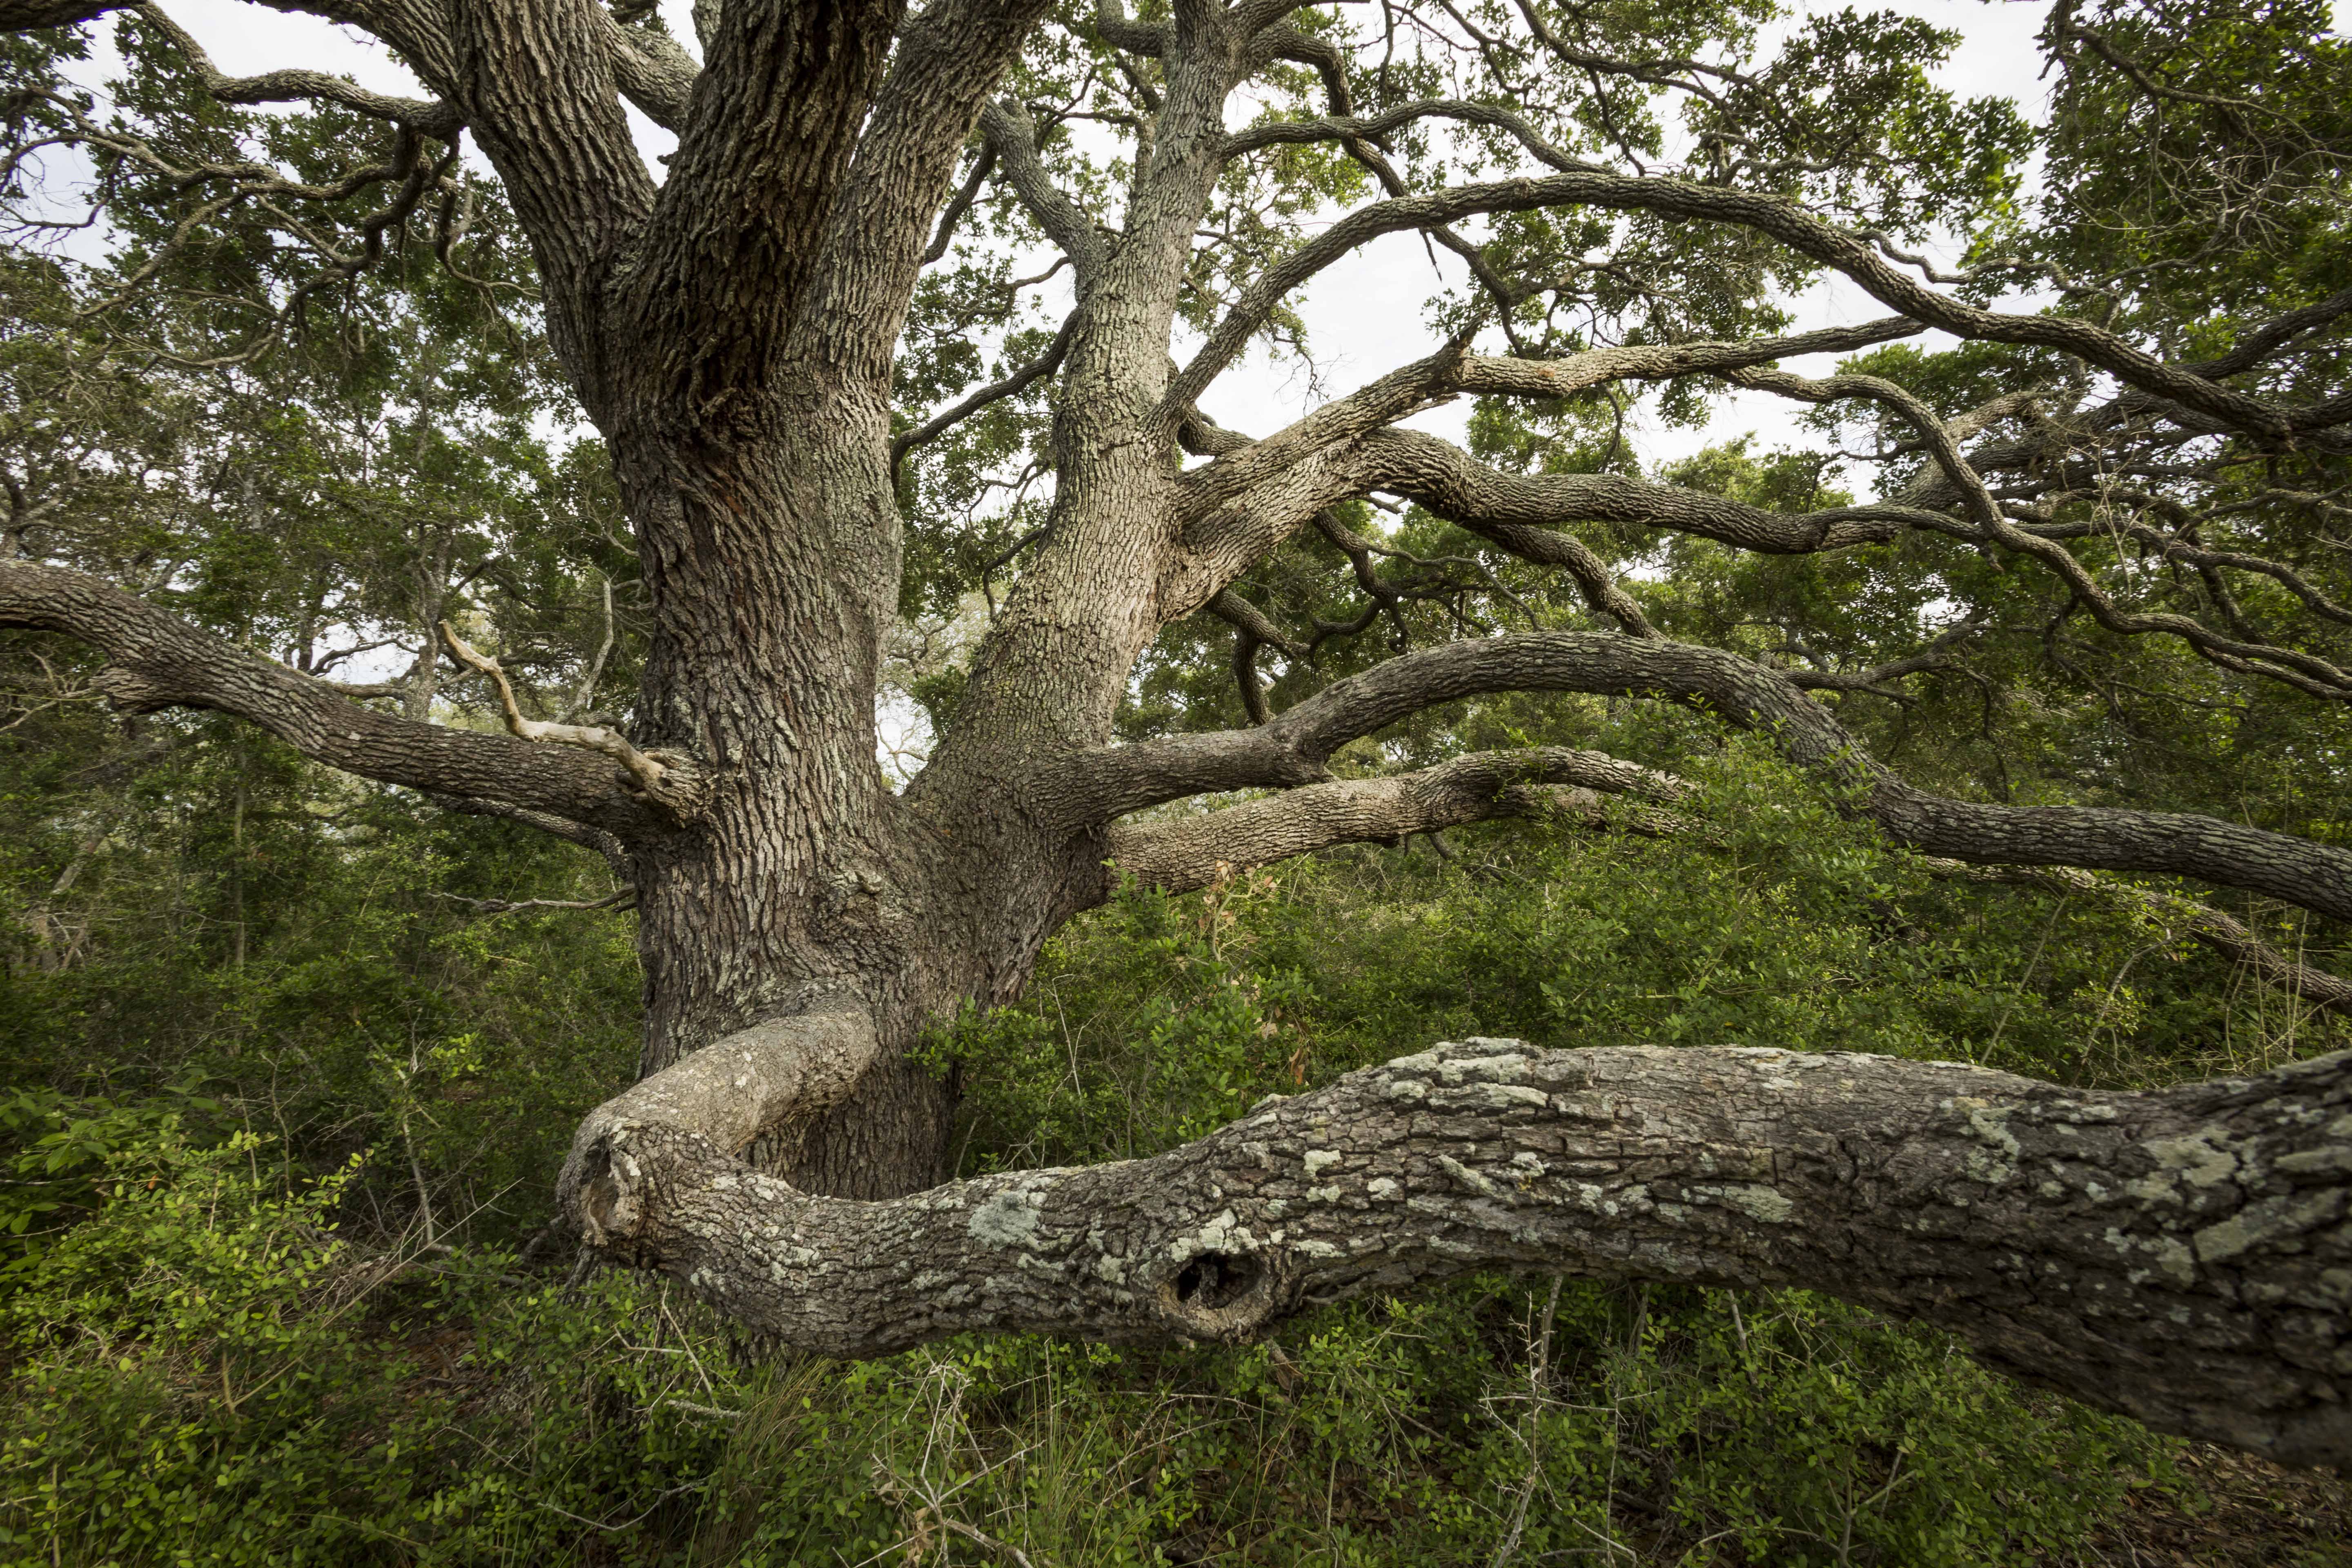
251, 1350
286, 1104
207, 1372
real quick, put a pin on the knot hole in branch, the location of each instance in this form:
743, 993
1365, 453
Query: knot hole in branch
1222, 1296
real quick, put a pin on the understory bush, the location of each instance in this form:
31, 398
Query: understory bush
237, 1335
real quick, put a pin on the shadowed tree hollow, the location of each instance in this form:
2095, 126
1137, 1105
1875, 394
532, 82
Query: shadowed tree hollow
2107, 433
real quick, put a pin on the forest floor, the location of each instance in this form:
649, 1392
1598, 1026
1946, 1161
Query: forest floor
2257, 1516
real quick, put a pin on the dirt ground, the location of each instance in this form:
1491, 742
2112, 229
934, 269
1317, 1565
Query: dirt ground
2254, 1514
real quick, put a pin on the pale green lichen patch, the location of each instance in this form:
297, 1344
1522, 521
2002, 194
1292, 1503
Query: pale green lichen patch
2200, 1159
1470, 1178
1768, 1204
2271, 1220
2336, 1159
1988, 1124
1008, 1218
1223, 1234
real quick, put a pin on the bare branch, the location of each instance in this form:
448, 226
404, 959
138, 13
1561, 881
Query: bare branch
155, 660
626, 899
2173, 1255
1184, 853
651, 777
652, 70
614, 852
1451, 483
946, 61
18, 15
1106, 783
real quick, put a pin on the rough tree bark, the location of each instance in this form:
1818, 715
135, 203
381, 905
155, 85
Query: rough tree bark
732, 331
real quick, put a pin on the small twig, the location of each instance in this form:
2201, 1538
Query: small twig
595, 738
626, 899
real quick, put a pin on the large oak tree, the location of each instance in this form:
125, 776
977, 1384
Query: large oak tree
2141, 437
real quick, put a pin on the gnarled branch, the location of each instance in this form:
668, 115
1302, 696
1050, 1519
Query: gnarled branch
1184, 853
156, 660
1293, 748
2179, 1256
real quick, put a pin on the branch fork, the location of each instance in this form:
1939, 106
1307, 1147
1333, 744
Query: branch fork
667, 779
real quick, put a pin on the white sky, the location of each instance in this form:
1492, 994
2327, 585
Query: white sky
1364, 316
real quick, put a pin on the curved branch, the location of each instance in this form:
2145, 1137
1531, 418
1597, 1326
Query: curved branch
651, 777
747, 1085
615, 852
1489, 374
1518, 513
1781, 220
1013, 136
1013, 385
1987, 522
156, 660
2174, 1255
1190, 852
434, 119
1102, 785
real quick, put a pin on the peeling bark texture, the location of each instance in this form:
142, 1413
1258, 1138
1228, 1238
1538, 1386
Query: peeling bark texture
732, 331
2183, 1256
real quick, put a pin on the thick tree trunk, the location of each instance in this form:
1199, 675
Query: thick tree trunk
804, 884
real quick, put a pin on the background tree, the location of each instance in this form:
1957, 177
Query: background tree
2131, 491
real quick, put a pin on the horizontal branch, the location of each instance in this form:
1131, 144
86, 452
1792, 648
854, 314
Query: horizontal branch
2178, 1255
1293, 750
433, 118
1450, 482
156, 660
1184, 853
1491, 374
1563, 786
615, 854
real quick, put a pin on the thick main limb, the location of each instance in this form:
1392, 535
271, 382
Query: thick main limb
1293, 749
2178, 1255
1188, 852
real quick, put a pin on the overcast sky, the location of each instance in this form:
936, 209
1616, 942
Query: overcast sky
1365, 315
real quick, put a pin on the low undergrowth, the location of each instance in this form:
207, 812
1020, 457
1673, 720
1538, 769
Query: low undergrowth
233, 1337
207, 1372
